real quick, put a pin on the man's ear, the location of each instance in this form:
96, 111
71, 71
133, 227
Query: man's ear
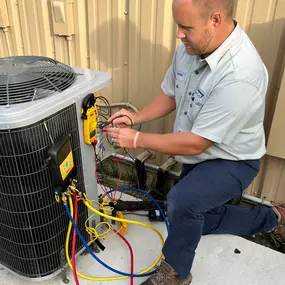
216, 19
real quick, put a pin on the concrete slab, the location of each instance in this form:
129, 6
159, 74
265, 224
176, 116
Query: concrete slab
215, 263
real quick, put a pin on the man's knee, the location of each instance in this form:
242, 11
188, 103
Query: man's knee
178, 202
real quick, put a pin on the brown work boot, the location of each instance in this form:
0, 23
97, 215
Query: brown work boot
166, 275
277, 235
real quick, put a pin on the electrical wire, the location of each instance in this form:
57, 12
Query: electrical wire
118, 160
121, 116
279, 208
73, 250
148, 195
96, 174
107, 105
126, 275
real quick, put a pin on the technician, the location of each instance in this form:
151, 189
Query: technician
217, 84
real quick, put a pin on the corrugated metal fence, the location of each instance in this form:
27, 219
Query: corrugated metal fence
134, 40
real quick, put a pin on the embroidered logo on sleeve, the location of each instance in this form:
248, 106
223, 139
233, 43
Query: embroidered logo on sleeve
200, 94
200, 97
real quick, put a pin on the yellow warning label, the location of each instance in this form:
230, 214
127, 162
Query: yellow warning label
66, 166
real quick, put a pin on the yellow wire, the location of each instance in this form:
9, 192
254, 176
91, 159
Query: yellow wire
93, 231
112, 218
123, 220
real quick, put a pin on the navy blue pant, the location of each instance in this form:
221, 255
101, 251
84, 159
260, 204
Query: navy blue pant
196, 207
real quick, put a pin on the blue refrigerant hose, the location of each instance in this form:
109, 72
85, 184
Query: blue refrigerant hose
91, 252
148, 195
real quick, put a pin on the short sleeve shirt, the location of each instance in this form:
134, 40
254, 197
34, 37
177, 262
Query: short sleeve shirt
221, 98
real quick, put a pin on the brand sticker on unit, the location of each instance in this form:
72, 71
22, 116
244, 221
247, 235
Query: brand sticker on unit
66, 166
180, 75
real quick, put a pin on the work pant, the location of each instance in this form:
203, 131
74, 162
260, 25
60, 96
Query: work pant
196, 207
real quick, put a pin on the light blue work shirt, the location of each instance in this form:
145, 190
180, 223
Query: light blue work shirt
221, 98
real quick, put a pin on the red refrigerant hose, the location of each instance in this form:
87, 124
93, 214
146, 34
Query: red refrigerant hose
131, 253
74, 239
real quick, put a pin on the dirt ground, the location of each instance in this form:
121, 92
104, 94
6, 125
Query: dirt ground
262, 238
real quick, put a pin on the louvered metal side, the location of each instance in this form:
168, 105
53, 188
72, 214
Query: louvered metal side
33, 225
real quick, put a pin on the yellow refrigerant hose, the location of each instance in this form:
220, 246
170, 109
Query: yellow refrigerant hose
111, 218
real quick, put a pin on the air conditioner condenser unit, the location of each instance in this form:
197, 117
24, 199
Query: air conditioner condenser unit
40, 102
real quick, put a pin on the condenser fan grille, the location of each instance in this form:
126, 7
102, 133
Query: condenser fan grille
28, 78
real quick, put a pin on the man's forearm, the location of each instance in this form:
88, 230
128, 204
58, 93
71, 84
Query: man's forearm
174, 144
161, 106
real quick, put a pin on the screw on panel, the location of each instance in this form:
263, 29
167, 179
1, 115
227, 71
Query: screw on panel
126, 12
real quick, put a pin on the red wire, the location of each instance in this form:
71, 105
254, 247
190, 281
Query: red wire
131, 253
96, 175
74, 240
280, 209
119, 178
117, 160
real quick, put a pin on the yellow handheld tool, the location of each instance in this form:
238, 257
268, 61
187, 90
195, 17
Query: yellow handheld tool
124, 225
90, 116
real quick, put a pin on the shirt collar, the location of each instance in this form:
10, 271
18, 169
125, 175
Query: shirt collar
214, 58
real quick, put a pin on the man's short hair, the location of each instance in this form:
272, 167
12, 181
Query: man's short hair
209, 6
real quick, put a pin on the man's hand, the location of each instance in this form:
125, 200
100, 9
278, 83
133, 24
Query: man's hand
124, 117
122, 137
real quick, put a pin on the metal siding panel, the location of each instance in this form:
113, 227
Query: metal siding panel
30, 27
165, 50
274, 177
264, 23
5, 41
119, 50
80, 46
151, 46
147, 23
15, 28
142, 46
244, 10
93, 33
45, 28
24, 26
2, 44
61, 53
105, 41
134, 49
277, 135
256, 186
275, 47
